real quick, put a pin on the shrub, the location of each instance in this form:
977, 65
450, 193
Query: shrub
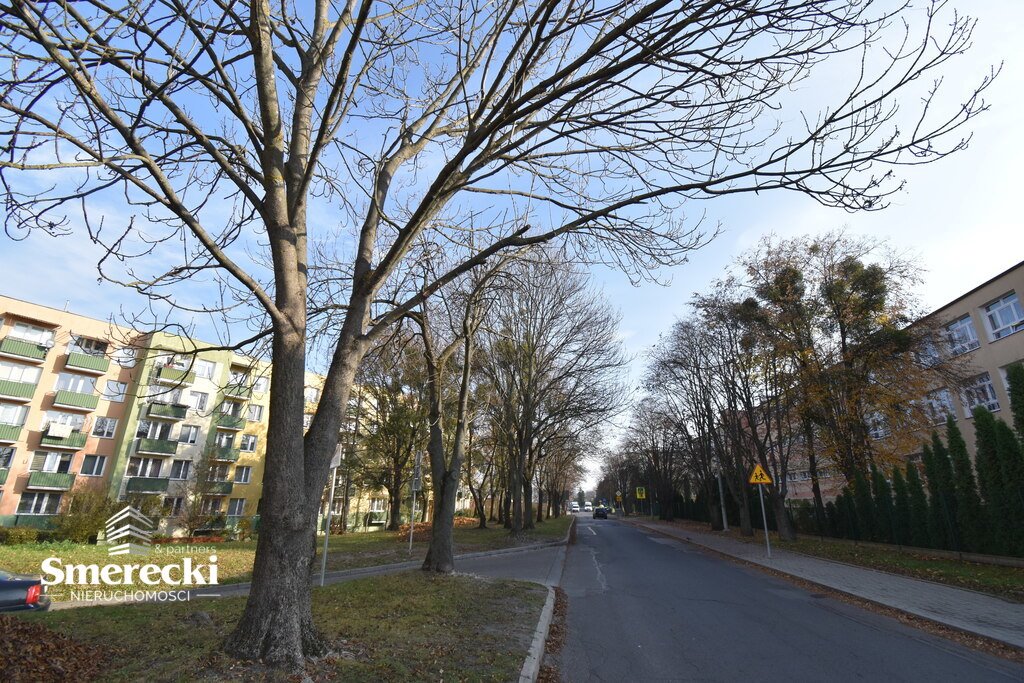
84, 516
22, 534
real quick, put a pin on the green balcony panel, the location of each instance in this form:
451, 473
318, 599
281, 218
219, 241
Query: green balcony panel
219, 488
76, 441
174, 375
72, 399
230, 421
147, 484
238, 391
60, 481
23, 390
226, 453
9, 433
12, 346
83, 361
157, 446
168, 411
3, 476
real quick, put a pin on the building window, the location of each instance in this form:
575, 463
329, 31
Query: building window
232, 408
105, 427
212, 506
90, 347
189, 434
144, 467
255, 413
125, 357
378, 504
243, 473
72, 421
115, 391
180, 469
219, 472
249, 442
31, 333
204, 368
238, 378
16, 372
961, 336
44, 461
153, 429
236, 507
224, 440
260, 385
172, 505
13, 414
92, 465
1004, 316
80, 384
307, 419
927, 353
198, 399
980, 392
312, 394
939, 404
6, 456
39, 504
878, 426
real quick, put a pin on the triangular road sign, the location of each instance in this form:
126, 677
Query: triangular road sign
759, 476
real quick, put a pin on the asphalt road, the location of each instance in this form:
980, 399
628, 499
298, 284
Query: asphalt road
647, 608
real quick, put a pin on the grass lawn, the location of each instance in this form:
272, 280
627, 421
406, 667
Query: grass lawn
403, 627
234, 559
1003, 582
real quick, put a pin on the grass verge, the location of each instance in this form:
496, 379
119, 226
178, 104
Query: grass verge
402, 627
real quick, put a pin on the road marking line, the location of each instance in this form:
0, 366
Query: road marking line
592, 530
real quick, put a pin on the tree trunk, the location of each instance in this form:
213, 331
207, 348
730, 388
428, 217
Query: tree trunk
528, 503
746, 524
395, 503
782, 523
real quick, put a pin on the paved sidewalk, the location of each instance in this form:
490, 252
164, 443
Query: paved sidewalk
966, 610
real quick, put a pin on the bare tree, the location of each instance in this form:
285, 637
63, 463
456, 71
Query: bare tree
221, 143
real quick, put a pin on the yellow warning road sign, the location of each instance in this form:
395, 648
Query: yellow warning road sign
641, 493
759, 476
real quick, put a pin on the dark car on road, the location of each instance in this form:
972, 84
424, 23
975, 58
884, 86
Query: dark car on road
601, 513
21, 592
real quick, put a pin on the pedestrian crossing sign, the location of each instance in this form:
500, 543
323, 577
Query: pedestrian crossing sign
759, 476
641, 493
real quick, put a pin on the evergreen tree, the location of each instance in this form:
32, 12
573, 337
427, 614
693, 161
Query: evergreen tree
832, 517
1012, 490
986, 462
970, 517
1015, 378
848, 513
881, 492
919, 536
901, 508
947, 490
864, 505
937, 531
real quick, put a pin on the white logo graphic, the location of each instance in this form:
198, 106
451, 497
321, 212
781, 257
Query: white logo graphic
128, 533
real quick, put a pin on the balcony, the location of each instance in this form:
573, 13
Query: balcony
74, 441
225, 453
75, 401
219, 488
167, 411
239, 391
3, 476
156, 447
87, 363
225, 421
147, 485
168, 375
16, 391
13, 347
9, 433
51, 481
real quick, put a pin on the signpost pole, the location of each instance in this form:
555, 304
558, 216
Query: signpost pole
412, 520
721, 497
415, 487
327, 532
764, 520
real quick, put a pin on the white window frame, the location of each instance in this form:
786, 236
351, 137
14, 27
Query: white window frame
100, 460
55, 460
149, 468
961, 335
224, 440
981, 391
254, 408
189, 434
204, 368
198, 400
260, 385
79, 384
1004, 316
311, 392
185, 465
211, 505
74, 420
109, 429
248, 443
17, 372
125, 357
938, 405
40, 503
173, 505
878, 426
87, 346
236, 507
32, 334
115, 391
13, 414
243, 474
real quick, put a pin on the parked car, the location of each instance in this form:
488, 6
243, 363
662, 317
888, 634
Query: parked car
600, 512
22, 592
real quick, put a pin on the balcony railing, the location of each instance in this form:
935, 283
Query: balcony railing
169, 375
157, 447
75, 400
147, 484
9, 433
242, 391
3, 476
167, 411
86, 362
74, 441
219, 488
18, 391
226, 453
55, 481
225, 421
27, 350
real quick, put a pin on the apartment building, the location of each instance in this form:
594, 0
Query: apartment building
65, 388
980, 328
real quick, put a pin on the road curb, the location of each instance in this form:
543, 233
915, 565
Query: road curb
535, 655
